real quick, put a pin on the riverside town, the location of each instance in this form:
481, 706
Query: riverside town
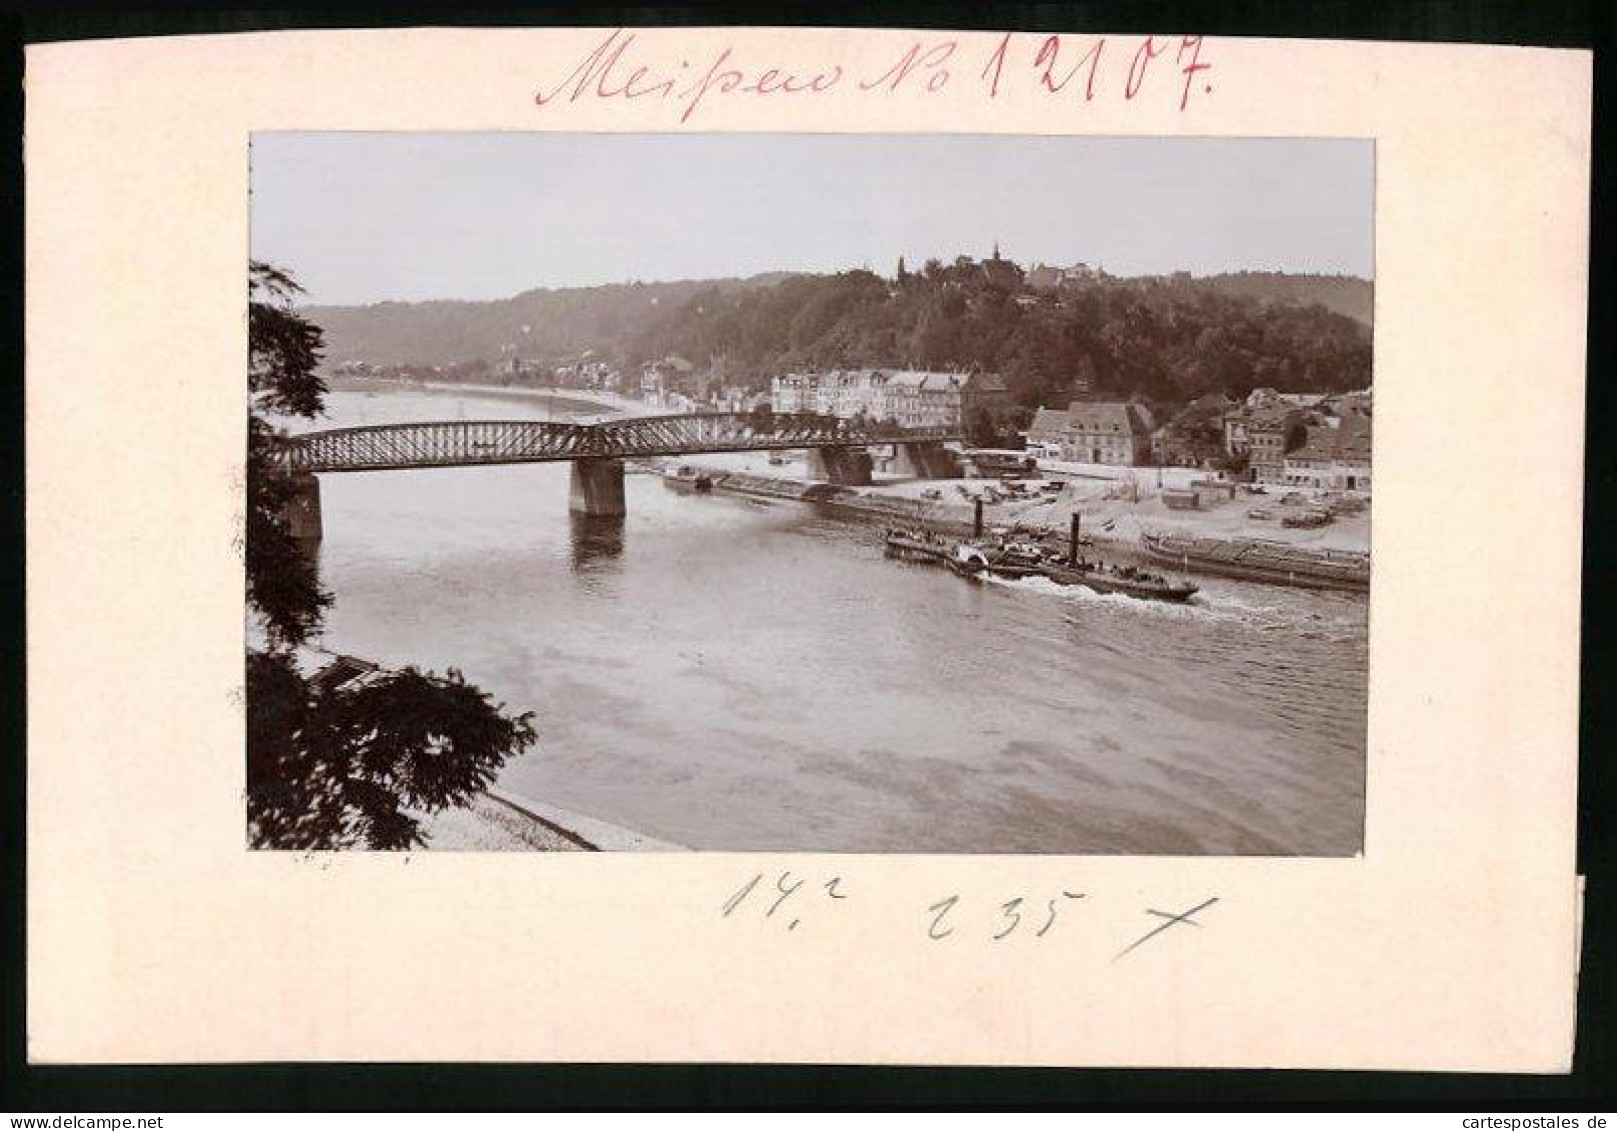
991, 547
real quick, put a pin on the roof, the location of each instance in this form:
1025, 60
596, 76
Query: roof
1271, 415
1350, 441
1208, 402
1108, 416
847, 377
1049, 421
1347, 404
927, 379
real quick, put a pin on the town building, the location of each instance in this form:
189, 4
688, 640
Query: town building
587, 375
917, 398
1344, 405
1333, 457
1108, 432
1047, 277
663, 377
841, 392
727, 398
912, 398
1046, 434
1269, 427
1195, 436
1263, 429
1270, 432
794, 392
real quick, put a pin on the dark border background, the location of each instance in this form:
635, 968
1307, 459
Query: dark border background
1552, 23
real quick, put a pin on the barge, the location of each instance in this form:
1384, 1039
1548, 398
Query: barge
916, 545
1252, 559
687, 478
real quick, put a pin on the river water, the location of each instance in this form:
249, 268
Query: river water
734, 674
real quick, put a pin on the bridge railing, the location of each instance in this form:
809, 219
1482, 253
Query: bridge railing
464, 443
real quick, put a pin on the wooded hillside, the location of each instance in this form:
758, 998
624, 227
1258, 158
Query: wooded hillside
1166, 339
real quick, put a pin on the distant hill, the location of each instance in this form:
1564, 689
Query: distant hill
539, 324
1344, 294
1167, 339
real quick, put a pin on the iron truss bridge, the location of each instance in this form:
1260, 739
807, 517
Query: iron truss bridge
465, 443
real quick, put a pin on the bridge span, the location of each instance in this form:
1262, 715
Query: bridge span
837, 448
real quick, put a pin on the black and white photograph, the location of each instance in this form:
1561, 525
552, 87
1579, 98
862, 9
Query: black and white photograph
854, 493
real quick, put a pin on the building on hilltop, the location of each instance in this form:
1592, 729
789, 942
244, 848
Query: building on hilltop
1044, 276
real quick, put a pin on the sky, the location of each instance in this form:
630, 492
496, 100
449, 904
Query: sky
369, 217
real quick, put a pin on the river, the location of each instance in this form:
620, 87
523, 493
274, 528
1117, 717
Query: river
734, 674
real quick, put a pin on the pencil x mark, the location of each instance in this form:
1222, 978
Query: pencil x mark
1184, 917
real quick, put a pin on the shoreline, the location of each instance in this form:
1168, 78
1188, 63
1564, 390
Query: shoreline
612, 402
1111, 522
495, 818
500, 820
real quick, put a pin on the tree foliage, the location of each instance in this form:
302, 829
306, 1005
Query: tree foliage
283, 353
334, 764
1166, 341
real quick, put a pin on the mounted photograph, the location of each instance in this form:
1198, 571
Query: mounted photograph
865, 493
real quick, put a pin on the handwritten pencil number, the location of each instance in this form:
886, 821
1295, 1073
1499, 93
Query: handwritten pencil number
746, 889
941, 909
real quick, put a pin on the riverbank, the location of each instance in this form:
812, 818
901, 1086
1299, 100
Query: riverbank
1115, 505
498, 820
611, 403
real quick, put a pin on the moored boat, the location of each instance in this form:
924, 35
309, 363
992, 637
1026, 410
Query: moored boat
916, 545
687, 478
1256, 560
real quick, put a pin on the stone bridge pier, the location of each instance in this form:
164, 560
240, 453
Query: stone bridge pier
925, 461
302, 508
597, 487
841, 467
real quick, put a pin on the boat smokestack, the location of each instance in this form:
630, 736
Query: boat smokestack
977, 517
1072, 540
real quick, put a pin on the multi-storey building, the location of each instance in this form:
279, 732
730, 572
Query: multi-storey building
840, 392
913, 398
1263, 429
1109, 432
1046, 434
919, 398
1333, 457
